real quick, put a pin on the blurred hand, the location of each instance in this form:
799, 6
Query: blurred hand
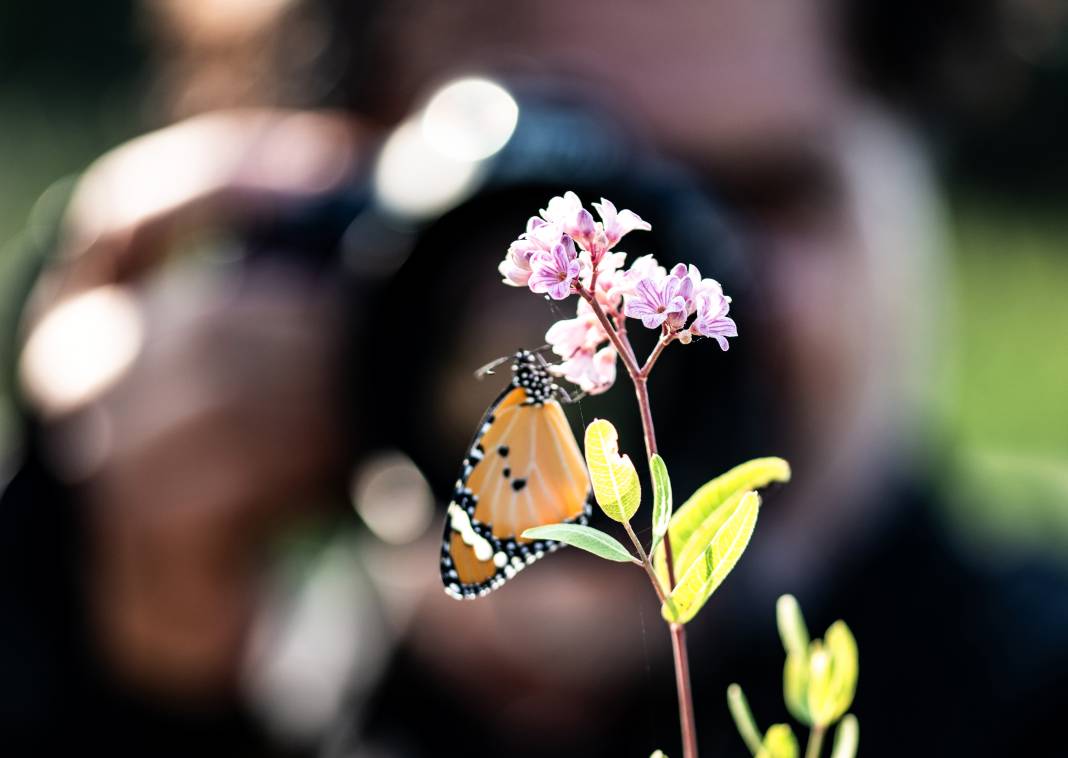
213, 170
225, 420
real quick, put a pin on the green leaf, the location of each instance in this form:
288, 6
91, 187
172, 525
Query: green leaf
702, 578
694, 547
846, 738
833, 669
661, 498
795, 686
743, 718
615, 482
792, 627
779, 742
584, 538
709, 498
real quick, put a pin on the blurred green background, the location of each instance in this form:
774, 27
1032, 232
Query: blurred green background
73, 83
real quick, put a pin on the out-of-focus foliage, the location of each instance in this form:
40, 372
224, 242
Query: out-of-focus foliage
820, 676
779, 742
1003, 403
743, 718
832, 675
846, 738
819, 682
791, 623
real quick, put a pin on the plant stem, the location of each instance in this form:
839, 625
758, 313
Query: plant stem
682, 683
626, 354
641, 390
638, 376
646, 563
815, 742
660, 345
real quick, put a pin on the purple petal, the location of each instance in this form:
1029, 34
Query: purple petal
638, 309
654, 320
560, 258
542, 279
560, 290
582, 228
648, 292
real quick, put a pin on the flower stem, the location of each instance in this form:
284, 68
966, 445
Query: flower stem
815, 742
646, 563
622, 347
638, 376
678, 631
682, 683
641, 390
651, 360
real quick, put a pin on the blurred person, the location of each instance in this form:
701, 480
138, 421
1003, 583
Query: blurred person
164, 483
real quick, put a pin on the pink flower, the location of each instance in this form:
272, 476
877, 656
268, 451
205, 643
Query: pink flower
689, 279
539, 237
568, 214
709, 287
644, 267
607, 291
554, 272
593, 372
712, 320
515, 268
609, 278
569, 336
655, 302
616, 224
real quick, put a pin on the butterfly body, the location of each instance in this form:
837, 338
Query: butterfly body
523, 469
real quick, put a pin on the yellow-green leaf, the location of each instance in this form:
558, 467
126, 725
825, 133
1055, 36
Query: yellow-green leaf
743, 718
833, 669
661, 498
702, 578
709, 498
615, 482
694, 547
584, 538
779, 742
846, 738
795, 685
792, 627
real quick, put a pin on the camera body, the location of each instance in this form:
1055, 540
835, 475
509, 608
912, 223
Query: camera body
420, 231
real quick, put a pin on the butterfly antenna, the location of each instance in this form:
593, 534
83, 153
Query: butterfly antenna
568, 398
487, 370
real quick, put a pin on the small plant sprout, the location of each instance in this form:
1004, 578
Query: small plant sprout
566, 251
819, 681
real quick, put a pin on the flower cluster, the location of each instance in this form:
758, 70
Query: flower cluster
564, 251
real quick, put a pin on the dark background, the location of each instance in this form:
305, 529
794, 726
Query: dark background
985, 84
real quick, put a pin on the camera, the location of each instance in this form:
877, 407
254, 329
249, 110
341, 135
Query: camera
449, 188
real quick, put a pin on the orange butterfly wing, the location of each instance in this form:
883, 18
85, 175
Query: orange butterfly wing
524, 469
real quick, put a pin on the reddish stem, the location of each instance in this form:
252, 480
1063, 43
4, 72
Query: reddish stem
638, 377
682, 683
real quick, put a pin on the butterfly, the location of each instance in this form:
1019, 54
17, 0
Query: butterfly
523, 469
